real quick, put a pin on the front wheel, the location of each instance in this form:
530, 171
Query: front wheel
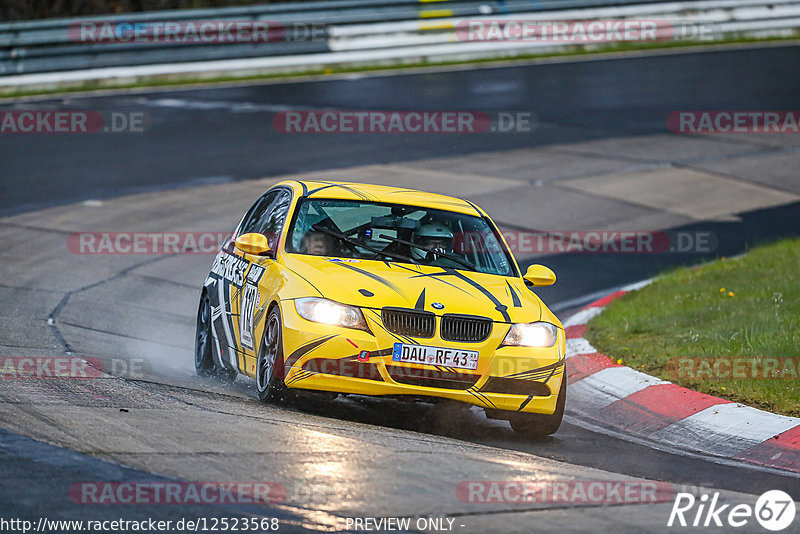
269, 376
538, 425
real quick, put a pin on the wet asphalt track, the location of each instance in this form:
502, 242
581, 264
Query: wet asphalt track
227, 133
216, 135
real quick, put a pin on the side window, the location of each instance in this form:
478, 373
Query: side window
268, 216
272, 223
254, 214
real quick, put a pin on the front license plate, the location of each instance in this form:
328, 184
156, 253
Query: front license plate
460, 359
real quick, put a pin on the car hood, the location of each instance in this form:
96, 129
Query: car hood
375, 284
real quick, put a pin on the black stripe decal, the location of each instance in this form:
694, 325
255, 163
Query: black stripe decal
311, 192
306, 279
302, 375
420, 305
499, 306
480, 399
542, 370
485, 398
360, 194
538, 377
356, 192
514, 297
435, 276
305, 349
374, 277
448, 203
398, 337
415, 271
525, 402
546, 380
227, 315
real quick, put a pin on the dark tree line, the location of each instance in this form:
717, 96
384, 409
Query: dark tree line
11, 10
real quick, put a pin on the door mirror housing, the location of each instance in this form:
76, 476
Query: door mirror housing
540, 276
252, 244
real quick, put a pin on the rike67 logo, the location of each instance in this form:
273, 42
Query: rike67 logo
774, 510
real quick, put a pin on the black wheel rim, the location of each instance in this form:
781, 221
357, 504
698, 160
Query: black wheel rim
268, 353
203, 331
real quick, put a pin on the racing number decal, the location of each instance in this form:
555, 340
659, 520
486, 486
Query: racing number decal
250, 298
246, 317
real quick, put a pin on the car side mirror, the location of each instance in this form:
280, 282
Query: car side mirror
252, 244
540, 276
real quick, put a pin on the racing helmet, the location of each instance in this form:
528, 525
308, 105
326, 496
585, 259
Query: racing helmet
435, 236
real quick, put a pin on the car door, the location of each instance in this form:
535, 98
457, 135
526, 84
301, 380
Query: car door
228, 272
261, 278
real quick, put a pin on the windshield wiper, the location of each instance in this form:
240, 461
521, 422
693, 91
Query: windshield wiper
456, 259
358, 243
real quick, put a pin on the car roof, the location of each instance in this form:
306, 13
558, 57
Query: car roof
382, 193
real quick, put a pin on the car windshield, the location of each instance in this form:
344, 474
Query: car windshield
393, 232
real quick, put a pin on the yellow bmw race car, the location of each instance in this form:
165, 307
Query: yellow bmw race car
374, 290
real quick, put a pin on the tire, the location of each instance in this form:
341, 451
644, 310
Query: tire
538, 425
203, 359
269, 383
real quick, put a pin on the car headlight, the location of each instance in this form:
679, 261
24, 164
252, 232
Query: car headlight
329, 312
539, 334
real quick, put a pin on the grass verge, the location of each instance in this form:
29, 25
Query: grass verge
729, 328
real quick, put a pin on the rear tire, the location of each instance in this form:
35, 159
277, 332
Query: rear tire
203, 359
537, 425
269, 383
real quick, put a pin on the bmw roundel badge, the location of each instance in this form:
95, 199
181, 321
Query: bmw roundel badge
437, 305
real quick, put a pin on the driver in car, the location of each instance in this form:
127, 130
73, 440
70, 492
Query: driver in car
435, 237
316, 244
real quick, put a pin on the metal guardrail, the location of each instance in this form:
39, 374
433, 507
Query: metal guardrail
714, 18
46, 46
358, 31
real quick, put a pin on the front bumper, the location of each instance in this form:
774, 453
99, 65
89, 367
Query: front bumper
330, 358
